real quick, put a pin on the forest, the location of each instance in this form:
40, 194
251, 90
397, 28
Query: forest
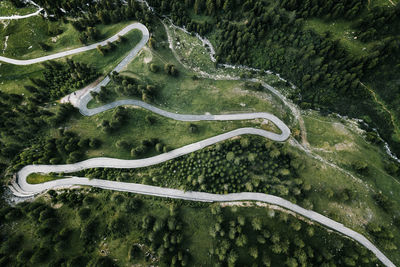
24, 120
70, 227
272, 36
60, 80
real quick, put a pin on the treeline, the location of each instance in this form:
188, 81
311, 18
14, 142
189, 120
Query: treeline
325, 8
59, 80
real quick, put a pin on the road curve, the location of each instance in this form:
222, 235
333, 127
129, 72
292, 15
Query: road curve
22, 188
81, 100
113, 38
103, 162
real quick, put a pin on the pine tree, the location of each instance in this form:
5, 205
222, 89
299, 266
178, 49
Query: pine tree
198, 6
210, 7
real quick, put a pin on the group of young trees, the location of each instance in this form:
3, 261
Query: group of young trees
154, 67
60, 79
109, 47
383, 235
259, 241
45, 47
170, 69
119, 117
393, 168
102, 96
90, 35
47, 226
68, 147
165, 238
250, 164
148, 145
131, 87
123, 175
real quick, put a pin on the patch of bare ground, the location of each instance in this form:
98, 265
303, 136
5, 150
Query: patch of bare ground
355, 216
340, 128
344, 146
57, 206
149, 56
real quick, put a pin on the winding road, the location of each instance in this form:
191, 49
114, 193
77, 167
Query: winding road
14, 17
80, 99
113, 38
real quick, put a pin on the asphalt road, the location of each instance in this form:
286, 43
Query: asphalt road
21, 188
124, 31
188, 195
14, 17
